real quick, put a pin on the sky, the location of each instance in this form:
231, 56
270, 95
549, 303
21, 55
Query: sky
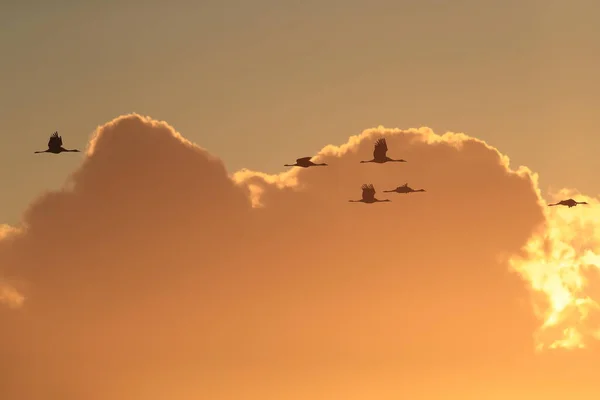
260, 82
176, 258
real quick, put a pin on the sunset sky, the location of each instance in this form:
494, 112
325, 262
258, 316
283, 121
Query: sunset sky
175, 258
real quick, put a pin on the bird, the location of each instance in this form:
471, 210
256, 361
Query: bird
55, 145
380, 153
305, 162
368, 195
404, 189
569, 203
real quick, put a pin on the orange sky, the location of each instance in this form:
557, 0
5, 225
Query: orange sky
258, 81
150, 275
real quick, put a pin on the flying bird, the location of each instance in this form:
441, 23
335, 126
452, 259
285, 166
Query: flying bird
368, 195
569, 203
305, 162
380, 153
404, 189
55, 145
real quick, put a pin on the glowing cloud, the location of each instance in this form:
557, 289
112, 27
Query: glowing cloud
169, 279
562, 261
10, 296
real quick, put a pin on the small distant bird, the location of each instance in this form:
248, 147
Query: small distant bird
55, 145
368, 195
305, 162
380, 153
569, 203
404, 189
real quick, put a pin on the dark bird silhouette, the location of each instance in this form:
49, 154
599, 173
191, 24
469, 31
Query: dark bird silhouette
569, 203
368, 196
404, 189
305, 162
380, 153
55, 145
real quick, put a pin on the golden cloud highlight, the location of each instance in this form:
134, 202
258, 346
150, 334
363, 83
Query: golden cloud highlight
561, 262
10, 296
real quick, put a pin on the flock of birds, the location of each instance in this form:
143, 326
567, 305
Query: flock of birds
380, 157
368, 190
380, 149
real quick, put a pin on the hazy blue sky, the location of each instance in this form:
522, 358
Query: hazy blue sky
261, 83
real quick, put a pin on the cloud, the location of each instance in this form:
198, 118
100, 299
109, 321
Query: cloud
9, 295
561, 261
156, 275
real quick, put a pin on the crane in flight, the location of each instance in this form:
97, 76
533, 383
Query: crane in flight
380, 153
569, 203
55, 146
404, 189
368, 195
305, 162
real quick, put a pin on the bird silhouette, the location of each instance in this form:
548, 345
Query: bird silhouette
380, 153
55, 145
305, 162
368, 195
569, 203
404, 189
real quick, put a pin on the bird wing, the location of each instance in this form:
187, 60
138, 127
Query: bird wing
368, 192
380, 149
303, 159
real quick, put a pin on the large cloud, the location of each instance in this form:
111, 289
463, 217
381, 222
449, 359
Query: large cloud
154, 275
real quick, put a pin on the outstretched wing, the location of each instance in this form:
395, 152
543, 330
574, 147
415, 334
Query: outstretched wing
303, 160
380, 150
55, 140
368, 192
560, 203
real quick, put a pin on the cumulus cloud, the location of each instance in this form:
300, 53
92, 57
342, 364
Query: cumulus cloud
156, 275
561, 261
